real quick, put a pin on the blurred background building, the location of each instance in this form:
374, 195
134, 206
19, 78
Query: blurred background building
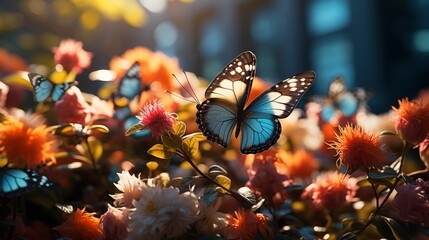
380, 45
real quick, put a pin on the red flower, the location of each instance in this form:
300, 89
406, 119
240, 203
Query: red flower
357, 148
263, 175
72, 108
412, 202
71, 56
413, 120
80, 225
331, 190
247, 225
155, 117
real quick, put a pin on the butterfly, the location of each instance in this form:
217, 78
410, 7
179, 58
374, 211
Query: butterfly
15, 182
225, 105
45, 90
341, 101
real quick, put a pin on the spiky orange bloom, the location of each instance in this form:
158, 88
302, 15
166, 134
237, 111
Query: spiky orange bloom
26, 146
80, 225
331, 190
357, 148
413, 120
155, 66
300, 164
247, 225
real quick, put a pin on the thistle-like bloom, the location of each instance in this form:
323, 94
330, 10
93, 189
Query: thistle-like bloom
300, 164
71, 55
114, 223
412, 202
155, 117
72, 108
80, 225
247, 225
26, 146
162, 213
358, 148
129, 185
263, 175
331, 190
413, 120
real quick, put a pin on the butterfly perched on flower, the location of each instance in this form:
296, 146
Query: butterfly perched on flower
225, 105
15, 182
340, 100
46, 90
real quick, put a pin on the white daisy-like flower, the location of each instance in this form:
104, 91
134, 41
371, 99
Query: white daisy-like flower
129, 186
162, 213
210, 222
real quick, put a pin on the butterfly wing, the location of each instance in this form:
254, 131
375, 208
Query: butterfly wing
130, 84
260, 127
15, 182
44, 89
226, 96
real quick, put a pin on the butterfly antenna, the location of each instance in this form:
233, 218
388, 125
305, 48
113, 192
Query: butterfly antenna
192, 94
178, 96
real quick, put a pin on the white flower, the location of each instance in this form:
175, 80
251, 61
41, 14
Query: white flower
210, 222
129, 186
162, 213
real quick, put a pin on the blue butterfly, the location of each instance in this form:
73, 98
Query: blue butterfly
225, 107
15, 182
45, 90
341, 101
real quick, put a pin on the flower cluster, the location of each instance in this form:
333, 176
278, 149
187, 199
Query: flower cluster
130, 162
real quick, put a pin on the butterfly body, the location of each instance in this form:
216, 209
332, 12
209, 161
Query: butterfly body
14, 182
258, 124
45, 90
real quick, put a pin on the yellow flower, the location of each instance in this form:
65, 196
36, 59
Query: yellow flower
26, 146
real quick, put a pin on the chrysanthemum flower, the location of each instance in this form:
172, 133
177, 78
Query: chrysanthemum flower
155, 66
162, 213
331, 190
155, 117
114, 223
412, 202
247, 225
71, 55
300, 164
358, 148
413, 120
80, 225
210, 222
72, 108
129, 186
263, 175
26, 146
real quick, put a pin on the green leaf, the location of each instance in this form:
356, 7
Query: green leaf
179, 128
198, 136
134, 129
161, 151
294, 188
171, 140
386, 173
190, 146
217, 170
100, 128
397, 230
224, 182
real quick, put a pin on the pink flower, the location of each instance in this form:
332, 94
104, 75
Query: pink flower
412, 202
113, 224
331, 190
72, 108
72, 56
155, 117
413, 120
263, 175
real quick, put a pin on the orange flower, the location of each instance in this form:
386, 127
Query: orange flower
26, 146
155, 66
300, 164
413, 120
331, 190
357, 148
10, 62
80, 225
71, 56
154, 117
248, 225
